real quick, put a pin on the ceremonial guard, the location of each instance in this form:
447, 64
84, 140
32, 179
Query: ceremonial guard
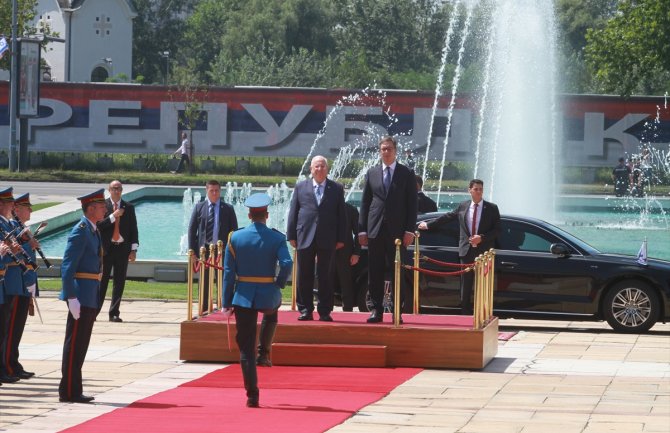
250, 286
21, 286
81, 271
6, 277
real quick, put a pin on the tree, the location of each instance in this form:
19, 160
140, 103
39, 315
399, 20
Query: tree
631, 53
25, 16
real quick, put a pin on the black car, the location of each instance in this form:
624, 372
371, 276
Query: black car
543, 272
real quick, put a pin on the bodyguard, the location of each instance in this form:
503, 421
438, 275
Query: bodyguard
250, 286
81, 272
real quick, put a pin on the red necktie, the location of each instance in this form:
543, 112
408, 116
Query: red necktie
117, 234
474, 221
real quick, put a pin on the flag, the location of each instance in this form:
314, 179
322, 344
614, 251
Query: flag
3, 47
642, 254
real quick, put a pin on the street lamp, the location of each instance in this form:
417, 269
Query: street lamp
166, 55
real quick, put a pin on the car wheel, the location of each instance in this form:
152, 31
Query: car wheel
631, 306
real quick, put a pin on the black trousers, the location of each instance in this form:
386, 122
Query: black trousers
467, 282
381, 259
184, 160
75, 346
342, 279
306, 265
16, 313
116, 259
245, 320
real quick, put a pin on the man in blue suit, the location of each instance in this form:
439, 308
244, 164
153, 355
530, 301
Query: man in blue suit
316, 228
388, 212
250, 286
211, 221
81, 271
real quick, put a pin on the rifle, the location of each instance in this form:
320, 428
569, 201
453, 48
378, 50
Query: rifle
28, 235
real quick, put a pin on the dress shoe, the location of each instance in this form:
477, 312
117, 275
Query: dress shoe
24, 374
79, 399
325, 318
252, 402
306, 316
116, 319
8, 379
375, 317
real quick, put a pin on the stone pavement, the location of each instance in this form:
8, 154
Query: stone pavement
550, 377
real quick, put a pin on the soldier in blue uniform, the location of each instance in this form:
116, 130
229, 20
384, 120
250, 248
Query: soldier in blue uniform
81, 272
250, 286
9, 277
20, 288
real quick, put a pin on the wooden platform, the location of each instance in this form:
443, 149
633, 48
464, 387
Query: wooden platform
428, 341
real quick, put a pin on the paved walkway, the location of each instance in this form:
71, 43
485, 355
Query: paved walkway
550, 377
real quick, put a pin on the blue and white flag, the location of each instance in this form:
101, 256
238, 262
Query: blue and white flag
642, 254
3, 47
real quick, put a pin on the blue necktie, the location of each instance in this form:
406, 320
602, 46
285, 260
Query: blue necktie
209, 231
387, 179
318, 194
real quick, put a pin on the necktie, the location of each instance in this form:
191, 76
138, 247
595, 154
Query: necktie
318, 194
474, 221
209, 233
387, 179
116, 234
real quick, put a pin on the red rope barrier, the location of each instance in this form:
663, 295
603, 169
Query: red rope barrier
437, 273
196, 266
453, 265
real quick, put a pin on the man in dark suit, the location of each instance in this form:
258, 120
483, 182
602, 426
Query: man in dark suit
388, 212
345, 258
479, 222
424, 204
211, 221
120, 240
315, 227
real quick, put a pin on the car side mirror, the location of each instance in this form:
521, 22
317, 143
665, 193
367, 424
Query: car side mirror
560, 250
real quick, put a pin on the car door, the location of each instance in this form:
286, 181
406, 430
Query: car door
439, 244
531, 279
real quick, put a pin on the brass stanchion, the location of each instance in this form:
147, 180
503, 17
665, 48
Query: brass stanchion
189, 285
478, 291
396, 288
294, 279
417, 253
492, 269
201, 281
210, 278
219, 275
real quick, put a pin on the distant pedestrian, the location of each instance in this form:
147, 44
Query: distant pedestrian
185, 151
621, 177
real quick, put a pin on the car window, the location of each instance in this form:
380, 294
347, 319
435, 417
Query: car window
444, 236
517, 236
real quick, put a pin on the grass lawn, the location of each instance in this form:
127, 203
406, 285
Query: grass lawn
146, 289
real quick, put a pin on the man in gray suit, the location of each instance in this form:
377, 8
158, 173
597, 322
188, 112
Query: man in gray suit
316, 228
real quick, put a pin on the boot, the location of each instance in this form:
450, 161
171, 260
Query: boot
250, 382
265, 343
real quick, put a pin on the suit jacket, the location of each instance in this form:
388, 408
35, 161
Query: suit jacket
311, 222
255, 251
425, 204
127, 226
197, 227
83, 253
489, 226
397, 208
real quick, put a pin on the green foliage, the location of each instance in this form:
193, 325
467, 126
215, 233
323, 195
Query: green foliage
25, 15
631, 53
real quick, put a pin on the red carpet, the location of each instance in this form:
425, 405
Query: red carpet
293, 399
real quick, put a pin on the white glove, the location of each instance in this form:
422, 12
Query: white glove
227, 312
75, 307
31, 290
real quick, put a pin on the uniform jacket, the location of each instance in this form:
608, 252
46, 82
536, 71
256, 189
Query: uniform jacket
198, 224
13, 281
254, 251
489, 226
83, 253
322, 223
397, 208
127, 226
